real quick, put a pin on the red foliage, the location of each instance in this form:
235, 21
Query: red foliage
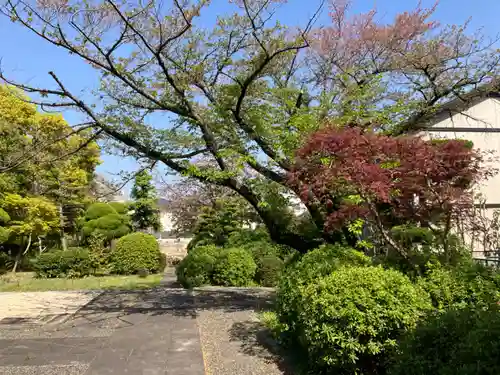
404, 178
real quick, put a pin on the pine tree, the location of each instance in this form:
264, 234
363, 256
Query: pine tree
145, 214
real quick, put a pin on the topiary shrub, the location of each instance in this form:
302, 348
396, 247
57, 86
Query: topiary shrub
269, 270
97, 210
457, 342
351, 319
234, 267
469, 285
121, 208
197, 267
308, 269
134, 252
72, 263
108, 227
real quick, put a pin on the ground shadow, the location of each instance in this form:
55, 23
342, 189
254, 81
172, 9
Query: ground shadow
257, 340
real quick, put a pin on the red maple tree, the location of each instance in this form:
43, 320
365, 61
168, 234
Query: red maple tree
388, 181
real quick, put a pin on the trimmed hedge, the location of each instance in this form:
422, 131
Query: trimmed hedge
136, 252
458, 342
313, 265
72, 263
269, 270
197, 267
351, 320
469, 285
234, 267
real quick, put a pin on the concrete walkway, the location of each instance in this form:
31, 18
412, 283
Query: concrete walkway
165, 330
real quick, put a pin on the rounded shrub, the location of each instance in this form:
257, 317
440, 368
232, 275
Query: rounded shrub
351, 320
234, 267
108, 227
457, 342
308, 269
72, 263
121, 208
197, 267
4, 235
135, 252
269, 270
98, 210
469, 285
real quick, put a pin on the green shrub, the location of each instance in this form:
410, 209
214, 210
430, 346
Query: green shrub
4, 235
470, 284
458, 342
121, 208
72, 263
97, 210
269, 270
5, 263
135, 252
162, 263
312, 266
197, 267
351, 320
108, 227
234, 267
245, 236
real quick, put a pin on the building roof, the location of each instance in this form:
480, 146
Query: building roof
461, 103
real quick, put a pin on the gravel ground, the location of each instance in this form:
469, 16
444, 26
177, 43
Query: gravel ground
34, 304
234, 341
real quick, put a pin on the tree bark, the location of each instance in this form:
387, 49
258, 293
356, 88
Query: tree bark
278, 233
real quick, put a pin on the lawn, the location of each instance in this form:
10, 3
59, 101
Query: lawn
26, 282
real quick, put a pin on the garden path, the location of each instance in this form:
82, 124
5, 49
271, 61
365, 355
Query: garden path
165, 330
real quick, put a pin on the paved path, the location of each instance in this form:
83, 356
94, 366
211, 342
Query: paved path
165, 330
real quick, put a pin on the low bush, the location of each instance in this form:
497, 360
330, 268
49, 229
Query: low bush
312, 266
245, 236
197, 267
234, 267
269, 270
72, 263
135, 252
457, 342
162, 262
351, 319
467, 285
5, 262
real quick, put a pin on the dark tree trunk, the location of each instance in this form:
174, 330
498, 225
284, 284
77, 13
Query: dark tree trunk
278, 233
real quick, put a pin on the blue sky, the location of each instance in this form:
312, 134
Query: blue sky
27, 58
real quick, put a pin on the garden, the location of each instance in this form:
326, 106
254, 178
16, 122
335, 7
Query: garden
406, 298
297, 156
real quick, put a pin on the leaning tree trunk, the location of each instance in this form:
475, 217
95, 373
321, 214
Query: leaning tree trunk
20, 255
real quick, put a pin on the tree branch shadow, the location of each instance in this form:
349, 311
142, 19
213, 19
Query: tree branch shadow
257, 340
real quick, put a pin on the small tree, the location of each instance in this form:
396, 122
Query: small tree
145, 210
102, 220
391, 183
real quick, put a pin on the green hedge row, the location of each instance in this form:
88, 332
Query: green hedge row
347, 316
132, 254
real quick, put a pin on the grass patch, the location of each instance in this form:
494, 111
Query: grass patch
26, 282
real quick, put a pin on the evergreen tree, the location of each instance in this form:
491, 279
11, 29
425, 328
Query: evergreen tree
145, 210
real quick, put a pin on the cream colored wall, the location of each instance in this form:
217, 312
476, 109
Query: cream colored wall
485, 114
